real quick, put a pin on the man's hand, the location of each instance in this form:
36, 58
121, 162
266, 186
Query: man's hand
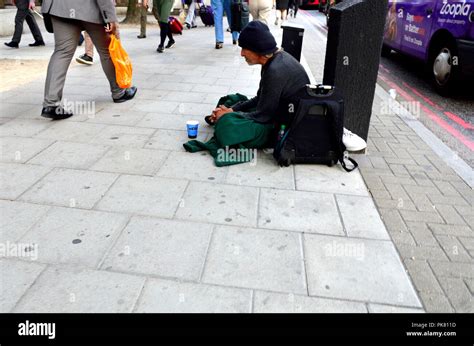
113, 28
219, 112
31, 5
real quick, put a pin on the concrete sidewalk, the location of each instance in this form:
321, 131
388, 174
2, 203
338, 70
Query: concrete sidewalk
121, 219
422, 189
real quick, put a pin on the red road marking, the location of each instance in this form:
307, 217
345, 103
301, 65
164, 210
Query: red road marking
461, 122
454, 117
426, 99
458, 135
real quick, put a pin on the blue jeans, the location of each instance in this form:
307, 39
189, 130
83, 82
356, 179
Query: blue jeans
219, 6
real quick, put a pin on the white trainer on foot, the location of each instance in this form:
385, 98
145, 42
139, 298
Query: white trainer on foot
352, 141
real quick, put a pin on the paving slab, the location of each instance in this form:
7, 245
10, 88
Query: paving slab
160, 247
15, 179
269, 302
70, 188
260, 259
262, 173
165, 107
388, 309
361, 218
144, 196
20, 150
21, 127
111, 116
123, 136
129, 160
165, 296
299, 211
219, 203
74, 236
12, 110
321, 178
17, 218
15, 279
171, 139
356, 269
168, 121
71, 131
70, 155
192, 166
79, 290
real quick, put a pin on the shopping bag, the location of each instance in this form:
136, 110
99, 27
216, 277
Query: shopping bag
122, 63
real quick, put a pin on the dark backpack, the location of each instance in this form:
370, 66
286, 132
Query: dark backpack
314, 129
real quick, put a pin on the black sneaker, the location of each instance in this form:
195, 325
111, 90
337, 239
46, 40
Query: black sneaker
11, 44
37, 44
188, 25
55, 113
170, 44
234, 42
85, 59
160, 49
141, 36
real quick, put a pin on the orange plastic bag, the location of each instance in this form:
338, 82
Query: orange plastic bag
122, 63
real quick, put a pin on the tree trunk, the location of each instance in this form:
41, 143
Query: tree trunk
133, 14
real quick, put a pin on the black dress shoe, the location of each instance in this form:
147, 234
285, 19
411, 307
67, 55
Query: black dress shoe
55, 113
11, 44
37, 44
129, 94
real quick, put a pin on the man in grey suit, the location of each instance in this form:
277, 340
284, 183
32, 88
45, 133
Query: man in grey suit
67, 18
22, 13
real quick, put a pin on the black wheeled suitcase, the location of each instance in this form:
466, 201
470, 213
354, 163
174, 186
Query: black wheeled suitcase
315, 127
239, 15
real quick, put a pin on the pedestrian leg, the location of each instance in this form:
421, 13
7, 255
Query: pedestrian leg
19, 19
265, 10
101, 41
189, 21
218, 8
66, 35
89, 46
253, 9
143, 20
35, 30
228, 12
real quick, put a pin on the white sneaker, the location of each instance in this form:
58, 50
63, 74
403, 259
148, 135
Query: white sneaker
352, 141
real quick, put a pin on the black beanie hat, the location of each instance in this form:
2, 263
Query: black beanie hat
256, 36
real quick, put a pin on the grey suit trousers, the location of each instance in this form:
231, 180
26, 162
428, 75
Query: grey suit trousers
66, 36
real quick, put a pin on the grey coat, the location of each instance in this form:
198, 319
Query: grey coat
92, 11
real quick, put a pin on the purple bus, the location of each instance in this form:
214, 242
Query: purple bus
438, 32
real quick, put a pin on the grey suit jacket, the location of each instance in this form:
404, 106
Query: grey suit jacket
93, 11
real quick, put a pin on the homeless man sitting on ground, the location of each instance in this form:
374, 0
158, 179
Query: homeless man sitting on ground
250, 124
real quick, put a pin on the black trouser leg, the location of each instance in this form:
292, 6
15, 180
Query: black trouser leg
164, 27
35, 30
19, 19
170, 34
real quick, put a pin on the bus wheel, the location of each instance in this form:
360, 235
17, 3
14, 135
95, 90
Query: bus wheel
444, 64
